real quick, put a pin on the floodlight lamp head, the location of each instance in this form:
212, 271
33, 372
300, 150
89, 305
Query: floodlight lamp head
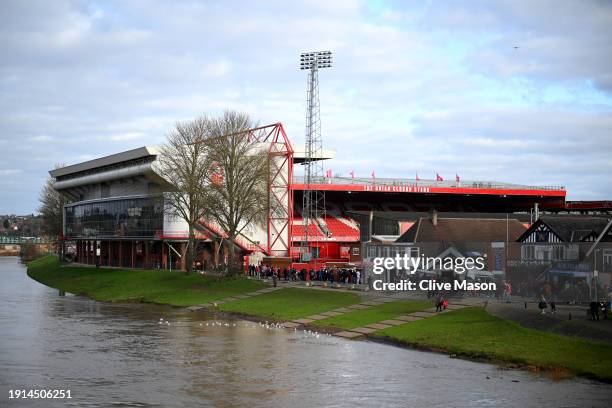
315, 60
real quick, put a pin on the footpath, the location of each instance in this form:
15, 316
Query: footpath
370, 301
569, 320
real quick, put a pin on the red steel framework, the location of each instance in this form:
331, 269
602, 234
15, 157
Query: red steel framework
280, 209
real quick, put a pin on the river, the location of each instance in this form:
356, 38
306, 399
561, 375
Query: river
121, 355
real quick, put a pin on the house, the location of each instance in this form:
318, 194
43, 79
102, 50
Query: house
435, 235
569, 248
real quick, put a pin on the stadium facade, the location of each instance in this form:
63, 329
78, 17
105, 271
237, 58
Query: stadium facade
115, 213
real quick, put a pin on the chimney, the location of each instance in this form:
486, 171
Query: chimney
434, 217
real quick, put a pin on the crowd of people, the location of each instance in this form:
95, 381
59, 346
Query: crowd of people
324, 274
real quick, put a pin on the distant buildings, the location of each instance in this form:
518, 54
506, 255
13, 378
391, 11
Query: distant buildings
566, 249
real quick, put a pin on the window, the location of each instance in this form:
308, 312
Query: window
316, 252
527, 252
558, 252
543, 253
372, 251
541, 236
607, 261
136, 217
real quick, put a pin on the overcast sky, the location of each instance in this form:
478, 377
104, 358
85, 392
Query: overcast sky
513, 91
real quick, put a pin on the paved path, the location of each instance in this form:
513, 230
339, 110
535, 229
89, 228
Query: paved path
365, 304
410, 317
559, 322
569, 320
215, 303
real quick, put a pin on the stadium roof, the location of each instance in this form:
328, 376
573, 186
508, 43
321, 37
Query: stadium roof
415, 216
128, 155
299, 155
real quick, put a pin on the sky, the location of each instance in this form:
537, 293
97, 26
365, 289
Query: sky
510, 91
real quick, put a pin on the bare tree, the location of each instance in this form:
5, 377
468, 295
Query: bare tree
184, 162
238, 194
51, 208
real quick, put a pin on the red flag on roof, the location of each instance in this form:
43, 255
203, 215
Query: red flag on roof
328, 173
417, 177
352, 173
439, 177
457, 178
373, 174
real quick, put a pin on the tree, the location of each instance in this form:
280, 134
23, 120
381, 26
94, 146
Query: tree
184, 164
237, 187
51, 208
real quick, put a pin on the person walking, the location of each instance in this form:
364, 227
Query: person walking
542, 304
509, 292
274, 278
439, 303
553, 307
594, 306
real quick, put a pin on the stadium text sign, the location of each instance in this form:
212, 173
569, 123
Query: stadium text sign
396, 189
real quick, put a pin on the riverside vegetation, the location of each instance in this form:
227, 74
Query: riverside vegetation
470, 332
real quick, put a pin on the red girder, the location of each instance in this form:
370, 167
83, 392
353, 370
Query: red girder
279, 185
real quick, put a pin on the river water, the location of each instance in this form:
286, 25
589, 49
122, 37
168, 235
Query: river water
120, 355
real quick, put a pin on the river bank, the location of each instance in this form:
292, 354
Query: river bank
113, 353
469, 333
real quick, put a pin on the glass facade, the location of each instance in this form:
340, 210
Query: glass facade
133, 217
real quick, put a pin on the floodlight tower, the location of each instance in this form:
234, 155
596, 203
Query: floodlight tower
314, 199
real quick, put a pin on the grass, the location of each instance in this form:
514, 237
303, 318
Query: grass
151, 286
469, 332
291, 303
473, 333
374, 314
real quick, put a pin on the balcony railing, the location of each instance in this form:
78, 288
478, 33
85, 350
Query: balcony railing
423, 183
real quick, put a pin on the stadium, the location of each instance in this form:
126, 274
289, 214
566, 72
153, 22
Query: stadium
115, 213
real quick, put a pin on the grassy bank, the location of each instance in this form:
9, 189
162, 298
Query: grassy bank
374, 314
470, 332
291, 303
474, 333
153, 286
